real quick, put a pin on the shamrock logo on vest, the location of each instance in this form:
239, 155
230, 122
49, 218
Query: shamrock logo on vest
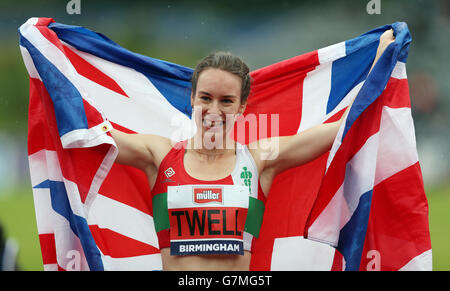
247, 176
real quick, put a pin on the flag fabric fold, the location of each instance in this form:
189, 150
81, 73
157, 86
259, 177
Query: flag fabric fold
357, 205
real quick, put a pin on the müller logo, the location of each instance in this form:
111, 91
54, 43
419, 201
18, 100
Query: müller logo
206, 195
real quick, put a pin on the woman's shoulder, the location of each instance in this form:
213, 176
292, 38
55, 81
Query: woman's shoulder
160, 146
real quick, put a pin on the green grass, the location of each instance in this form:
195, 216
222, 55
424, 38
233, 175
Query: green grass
439, 209
18, 218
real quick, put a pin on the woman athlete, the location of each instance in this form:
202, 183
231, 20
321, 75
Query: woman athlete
220, 87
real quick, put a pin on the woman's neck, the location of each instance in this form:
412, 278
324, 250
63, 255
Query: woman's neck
210, 151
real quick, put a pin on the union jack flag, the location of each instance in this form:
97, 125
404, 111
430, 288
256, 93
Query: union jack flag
360, 206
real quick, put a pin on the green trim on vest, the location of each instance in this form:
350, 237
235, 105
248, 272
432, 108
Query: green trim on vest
160, 212
254, 216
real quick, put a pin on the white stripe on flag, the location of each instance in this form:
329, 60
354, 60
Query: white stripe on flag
133, 112
116, 216
137, 263
299, 254
360, 172
69, 252
316, 90
317, 86
399, 71
29, 64
397, 149
332, 52
422, 262
51, 267
45, 216
39, 171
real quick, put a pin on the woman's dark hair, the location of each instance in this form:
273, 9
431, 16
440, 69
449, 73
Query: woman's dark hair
228, 62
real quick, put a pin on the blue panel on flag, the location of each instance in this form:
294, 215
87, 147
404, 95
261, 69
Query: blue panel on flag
68, 103
78, 225
402, 33
177, 92
353, 234
171, 80
65, 29
43, 185
348, 72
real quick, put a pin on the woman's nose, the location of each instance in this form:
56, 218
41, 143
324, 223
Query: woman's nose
213, 108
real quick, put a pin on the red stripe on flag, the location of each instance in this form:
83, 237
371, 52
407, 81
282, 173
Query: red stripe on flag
278, 89
50, 35
38, 134
337, 261
121, 128
396, 94
48, 248
293, 66
116, 245
44, 21
398, 223
129, 186
81, 165
336, 116
93, 116
92, 73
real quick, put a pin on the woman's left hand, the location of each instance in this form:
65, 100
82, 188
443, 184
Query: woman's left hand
386, 39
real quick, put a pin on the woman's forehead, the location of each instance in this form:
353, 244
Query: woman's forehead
216, 81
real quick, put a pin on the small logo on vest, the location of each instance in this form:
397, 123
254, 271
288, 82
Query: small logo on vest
247, 176
206, 195
169, 172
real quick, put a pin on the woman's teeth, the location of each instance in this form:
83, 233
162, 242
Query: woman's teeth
210, 123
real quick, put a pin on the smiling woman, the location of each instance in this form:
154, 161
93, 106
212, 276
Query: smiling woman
220, 88
217, 101
217, 234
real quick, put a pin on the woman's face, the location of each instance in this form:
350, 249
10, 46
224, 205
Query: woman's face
218, 99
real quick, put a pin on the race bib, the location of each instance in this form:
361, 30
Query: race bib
207, 219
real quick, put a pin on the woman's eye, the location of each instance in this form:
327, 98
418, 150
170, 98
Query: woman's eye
227, 101
205, 98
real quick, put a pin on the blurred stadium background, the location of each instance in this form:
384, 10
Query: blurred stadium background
262, 32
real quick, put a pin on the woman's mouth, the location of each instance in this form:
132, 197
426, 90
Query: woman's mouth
213, 123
